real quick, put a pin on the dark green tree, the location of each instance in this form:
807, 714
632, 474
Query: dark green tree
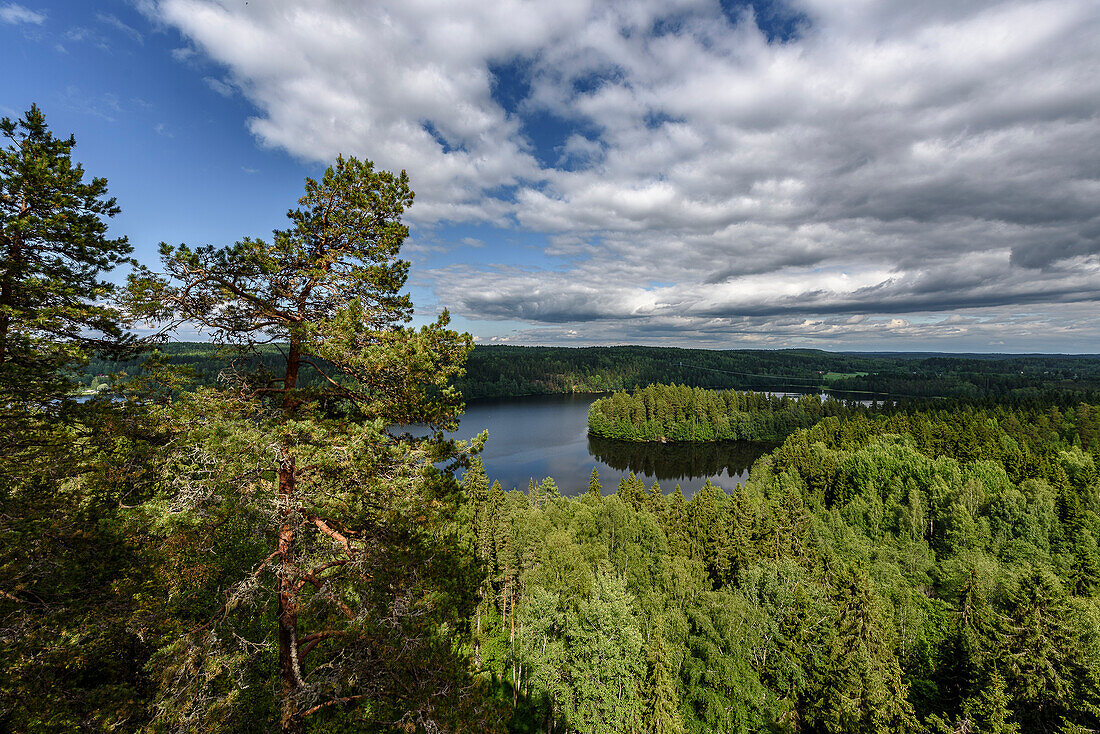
862, 687
989, 710
68, 658
1043, 665
661, 697
54, 310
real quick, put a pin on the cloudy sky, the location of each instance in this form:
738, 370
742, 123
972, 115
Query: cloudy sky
839, 174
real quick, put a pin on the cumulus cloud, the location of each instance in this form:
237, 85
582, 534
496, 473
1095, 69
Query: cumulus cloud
406, 85
716, 175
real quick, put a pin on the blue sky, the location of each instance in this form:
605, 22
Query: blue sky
862, 175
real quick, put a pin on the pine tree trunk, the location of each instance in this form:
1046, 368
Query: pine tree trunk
7, 283
289, 671
290, 721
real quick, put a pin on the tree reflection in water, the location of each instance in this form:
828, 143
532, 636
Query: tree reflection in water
679, 461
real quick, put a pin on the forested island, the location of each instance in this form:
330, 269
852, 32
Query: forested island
680, 413
248, 540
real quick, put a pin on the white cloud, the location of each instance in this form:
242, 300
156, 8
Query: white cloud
133, 33
379, 82
14, 14
894, 158
220, 87
1065, 329
183, 54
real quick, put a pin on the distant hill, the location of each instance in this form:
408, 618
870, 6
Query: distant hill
507, 371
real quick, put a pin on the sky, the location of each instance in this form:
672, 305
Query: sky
860, 175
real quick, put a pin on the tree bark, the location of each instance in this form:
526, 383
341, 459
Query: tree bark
290, 378
291, 720
289, 669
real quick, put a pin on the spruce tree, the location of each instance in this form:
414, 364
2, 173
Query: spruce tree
54, 310
68, 657
661, 704
594, 487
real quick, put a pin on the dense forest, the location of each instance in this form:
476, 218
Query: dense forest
496, 370
246, 540
680, 413
931, 570
507, 371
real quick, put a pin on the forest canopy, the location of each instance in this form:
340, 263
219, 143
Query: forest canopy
929, 570
495, 371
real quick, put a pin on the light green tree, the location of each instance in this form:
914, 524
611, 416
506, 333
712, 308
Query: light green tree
606, 661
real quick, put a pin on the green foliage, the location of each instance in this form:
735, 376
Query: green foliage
53, 249
664, 413
902, 570
70, 655
53, 317
317, 573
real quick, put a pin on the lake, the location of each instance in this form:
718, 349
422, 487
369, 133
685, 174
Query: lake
547, 436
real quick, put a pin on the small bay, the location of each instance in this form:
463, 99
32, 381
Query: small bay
547, 436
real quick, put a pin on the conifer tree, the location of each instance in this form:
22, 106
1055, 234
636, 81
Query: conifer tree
329, 530
989, 710
661, 712
68, 658
862, 684
594, 487
53, 303
1042, 668
675, 521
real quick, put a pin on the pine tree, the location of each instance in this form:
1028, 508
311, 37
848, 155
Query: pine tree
329, 531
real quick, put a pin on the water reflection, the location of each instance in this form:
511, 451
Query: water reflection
679, 462
547, 436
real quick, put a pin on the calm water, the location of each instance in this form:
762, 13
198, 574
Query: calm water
547, 436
